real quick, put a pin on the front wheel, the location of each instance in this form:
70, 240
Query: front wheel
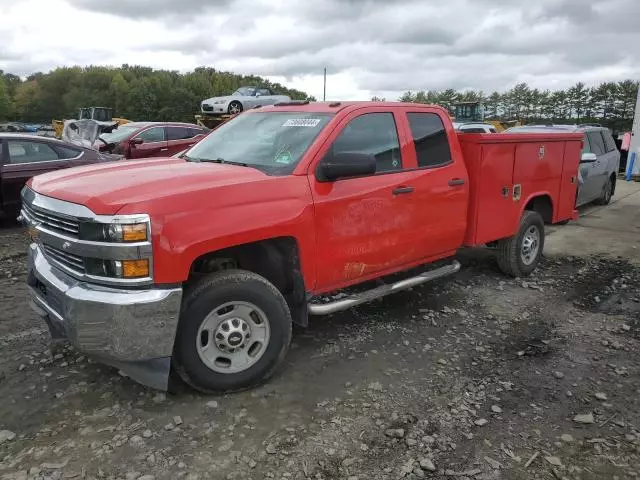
519, 255
234, 331
234, 107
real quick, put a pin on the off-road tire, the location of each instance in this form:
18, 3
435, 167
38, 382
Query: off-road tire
509, 249
217, 289
606, 194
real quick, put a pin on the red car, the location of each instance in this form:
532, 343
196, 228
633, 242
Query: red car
151, 139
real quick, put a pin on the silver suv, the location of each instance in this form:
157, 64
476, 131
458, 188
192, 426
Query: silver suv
599, 162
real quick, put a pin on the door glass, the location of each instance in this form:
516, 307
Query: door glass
609, 142
177, 133
195, 132
586, 148
597, 143
430, 139
155, 134
374, 134
30, 152
66, 152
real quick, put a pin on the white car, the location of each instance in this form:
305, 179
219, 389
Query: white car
242, 99
474, 127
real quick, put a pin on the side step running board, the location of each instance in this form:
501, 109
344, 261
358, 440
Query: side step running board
378, 292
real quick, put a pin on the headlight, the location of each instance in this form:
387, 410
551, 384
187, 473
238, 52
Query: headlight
218, 102
114, 232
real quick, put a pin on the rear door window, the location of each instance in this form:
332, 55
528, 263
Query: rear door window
178, 133
67, 152
374, 134
609, 142
430, 139
597, 143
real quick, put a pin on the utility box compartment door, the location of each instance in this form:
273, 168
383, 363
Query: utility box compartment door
496, 212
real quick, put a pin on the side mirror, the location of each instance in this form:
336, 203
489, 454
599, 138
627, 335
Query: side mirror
258, 94
588, 158
344, 165
137, 141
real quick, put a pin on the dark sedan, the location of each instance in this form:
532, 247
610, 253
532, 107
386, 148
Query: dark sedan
23, 156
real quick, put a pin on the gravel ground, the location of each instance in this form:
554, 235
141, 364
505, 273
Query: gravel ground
474, 377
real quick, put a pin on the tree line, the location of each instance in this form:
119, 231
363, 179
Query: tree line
611, 104
133, 92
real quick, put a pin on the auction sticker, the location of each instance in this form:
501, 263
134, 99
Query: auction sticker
301, 122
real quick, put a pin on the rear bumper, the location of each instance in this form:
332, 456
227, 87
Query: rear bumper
133, 330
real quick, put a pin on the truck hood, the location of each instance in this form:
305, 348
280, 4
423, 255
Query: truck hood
106, 188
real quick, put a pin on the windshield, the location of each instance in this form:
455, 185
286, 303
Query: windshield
245, 91
274, 142
119, 134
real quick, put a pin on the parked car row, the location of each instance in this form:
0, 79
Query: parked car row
23, 156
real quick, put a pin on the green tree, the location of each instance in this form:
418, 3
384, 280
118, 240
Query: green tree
6, 104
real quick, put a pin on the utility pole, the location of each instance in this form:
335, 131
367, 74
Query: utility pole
324, 89
633, 160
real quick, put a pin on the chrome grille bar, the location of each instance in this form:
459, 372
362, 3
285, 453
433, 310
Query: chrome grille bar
52, 220
70, 261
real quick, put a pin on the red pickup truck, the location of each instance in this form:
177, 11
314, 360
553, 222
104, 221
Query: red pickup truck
201, 264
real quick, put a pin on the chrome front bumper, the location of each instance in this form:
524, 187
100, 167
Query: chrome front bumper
133, 330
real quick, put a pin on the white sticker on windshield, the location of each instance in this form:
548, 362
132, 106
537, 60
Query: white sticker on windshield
301, 122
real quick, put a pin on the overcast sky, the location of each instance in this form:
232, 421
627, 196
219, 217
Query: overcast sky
370, 47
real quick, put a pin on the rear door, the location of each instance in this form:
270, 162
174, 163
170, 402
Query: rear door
179, 138
22, 159
598, 170
440, 187
612, 156
365, 225
154, 143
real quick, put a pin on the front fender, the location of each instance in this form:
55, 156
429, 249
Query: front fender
285, 209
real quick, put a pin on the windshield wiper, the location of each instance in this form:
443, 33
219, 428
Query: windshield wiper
222, 160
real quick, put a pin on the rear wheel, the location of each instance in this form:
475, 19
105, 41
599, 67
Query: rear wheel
519, 255
235, 330
606, 194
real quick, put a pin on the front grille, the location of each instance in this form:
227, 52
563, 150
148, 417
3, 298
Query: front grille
207, 108
52, 221
72, 262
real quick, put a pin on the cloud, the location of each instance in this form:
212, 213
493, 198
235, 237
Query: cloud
369, 47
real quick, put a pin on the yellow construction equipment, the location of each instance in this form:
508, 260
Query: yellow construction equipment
467, 112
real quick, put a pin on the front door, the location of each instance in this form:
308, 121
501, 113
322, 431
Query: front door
364, 225
154, 143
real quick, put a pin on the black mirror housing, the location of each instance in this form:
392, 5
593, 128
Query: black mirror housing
345, 165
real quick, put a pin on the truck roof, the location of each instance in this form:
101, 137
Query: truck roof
333, 107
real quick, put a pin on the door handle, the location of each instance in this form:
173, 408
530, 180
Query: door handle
164, 149
402, 190
454, 182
